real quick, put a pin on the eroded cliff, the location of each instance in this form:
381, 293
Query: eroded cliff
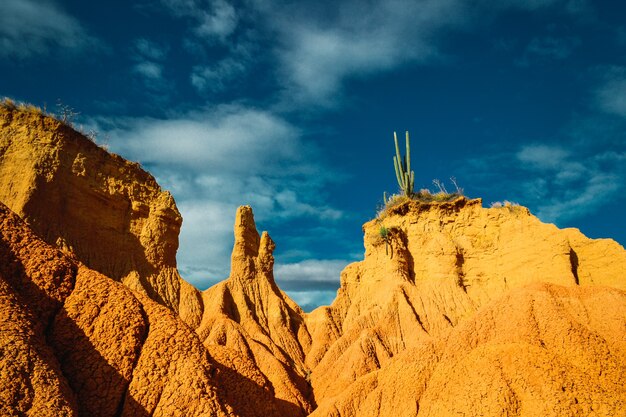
76, 343
396, 338
108, 212
456, 309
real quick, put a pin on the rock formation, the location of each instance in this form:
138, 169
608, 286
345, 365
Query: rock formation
541, 350
251, 316
74, 342
455, 310
468, 304
108, 212
113, 217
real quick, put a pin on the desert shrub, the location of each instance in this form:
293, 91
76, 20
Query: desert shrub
385, 235
65, 115
406, 180
7, 103
422, 196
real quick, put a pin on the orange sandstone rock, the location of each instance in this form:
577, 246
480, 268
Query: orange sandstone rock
98, 336
248, 314
108, 212
541, 350
445, 262
35, 280
75, 342
462, 310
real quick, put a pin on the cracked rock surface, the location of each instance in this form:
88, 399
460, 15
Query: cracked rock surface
473, 311
75, 342
457, 310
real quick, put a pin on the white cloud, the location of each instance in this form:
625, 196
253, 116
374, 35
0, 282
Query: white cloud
30, 27
151, 75
317, 55
289, 201
550, 47
316, 47
217, 77
559, 183
220, 21
312, 282
218, 159
150, 50
206, 240
597, 188
576, 176
321, 47
611, 95
149, 57
227, 139
214, 20
310, 274
309, 300
543, 156
149, 70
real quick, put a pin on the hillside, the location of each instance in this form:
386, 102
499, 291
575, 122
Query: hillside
457, 310
493, 303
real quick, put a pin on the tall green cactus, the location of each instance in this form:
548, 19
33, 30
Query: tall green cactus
404, 175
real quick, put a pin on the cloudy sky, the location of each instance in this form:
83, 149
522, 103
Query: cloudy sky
290, 107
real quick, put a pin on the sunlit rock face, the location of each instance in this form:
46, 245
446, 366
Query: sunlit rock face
251, 317
463, 309
455, 310
108, 212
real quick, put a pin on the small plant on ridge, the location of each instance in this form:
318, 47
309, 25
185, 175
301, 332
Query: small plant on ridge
384, 234
406, 181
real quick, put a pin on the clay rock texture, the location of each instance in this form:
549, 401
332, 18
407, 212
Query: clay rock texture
541, 350
456, 310
108, 212
393, 341
35, 280
76, 343
250, 317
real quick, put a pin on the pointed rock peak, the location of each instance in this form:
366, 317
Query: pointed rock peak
247, 238
266, 250
267, 245
252, 254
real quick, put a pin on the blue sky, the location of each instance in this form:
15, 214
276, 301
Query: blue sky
290, 107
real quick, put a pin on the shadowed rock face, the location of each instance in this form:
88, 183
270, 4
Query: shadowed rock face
108, 212
35, 280
76, 343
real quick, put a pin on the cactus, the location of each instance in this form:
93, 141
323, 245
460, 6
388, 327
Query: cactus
404, 175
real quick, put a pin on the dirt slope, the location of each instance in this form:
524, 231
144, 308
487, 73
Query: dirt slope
75, 342
460, 310
401, 307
